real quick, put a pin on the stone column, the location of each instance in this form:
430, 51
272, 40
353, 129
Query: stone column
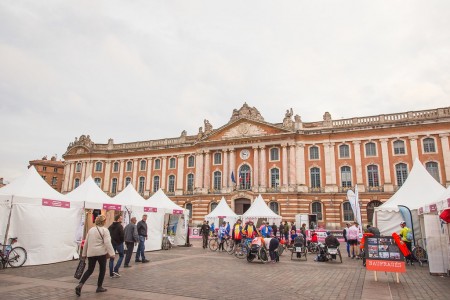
199, 171
358, 164
163, 173
107, 176
83, 171
148, 185
446, 155
180, 175
207, 173
330, 168
256, 183
65, 187
414, 149
301, 167
263, 169
284, 180
225, 170
121, 170
135, 168
292, 167
388, 187
89, 167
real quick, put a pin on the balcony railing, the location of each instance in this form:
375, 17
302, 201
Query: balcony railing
316, 190
214, 191
375, 189
189, 192
273, 189
344, 189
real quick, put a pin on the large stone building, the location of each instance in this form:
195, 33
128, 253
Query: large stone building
297, 167
52, 171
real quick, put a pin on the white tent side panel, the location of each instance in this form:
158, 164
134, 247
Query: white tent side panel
155, 225
4, 214
437, 244
387, 221
45, 246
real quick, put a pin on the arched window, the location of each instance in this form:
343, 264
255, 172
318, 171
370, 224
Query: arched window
348, 212
344, 151
116, 167
129, 166
315, 177
217, 158
433, 169
127, 181
429, 145
217, 180
172, 163
98, 166
171, 184
370, 209
141, 184
98, 181
157, 164
274, 154
191, 161
213, 206
372, 173
78, 168
188, 206
402, 173
371, 149
314, 152
244, 177
274, 207
77, 183
143, 165
316, 208
274, 177
346, 176
114, 186
190, 182
399, 147
155, 184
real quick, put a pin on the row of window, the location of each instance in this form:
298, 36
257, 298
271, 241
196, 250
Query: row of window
54, 179
55, 170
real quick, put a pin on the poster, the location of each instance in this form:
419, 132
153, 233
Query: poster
383, 254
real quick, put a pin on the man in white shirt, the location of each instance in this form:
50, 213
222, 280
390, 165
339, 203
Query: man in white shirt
352, 238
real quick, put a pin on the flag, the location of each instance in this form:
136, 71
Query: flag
232, 177
353, 198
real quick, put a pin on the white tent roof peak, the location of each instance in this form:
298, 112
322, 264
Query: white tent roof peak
419, 189
31, 185
259, 209
130, 197
160, 200
89, 191
222, 210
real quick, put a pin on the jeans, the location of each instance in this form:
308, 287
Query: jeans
119, 249
348, 248
141, 248
130, 247
91, 266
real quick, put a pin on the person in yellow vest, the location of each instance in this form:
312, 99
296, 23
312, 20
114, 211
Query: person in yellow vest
404, 235
236, 232
250, 230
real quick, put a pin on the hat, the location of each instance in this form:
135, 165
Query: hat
402, 223
328, 232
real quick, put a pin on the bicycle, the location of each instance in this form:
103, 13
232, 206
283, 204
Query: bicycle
13, 256
419, 253
242, 249
214, 243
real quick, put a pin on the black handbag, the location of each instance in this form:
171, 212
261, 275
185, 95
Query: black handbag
80, 269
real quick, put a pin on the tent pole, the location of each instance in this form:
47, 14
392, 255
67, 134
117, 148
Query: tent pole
9, 223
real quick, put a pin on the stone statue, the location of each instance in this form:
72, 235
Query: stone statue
208, 126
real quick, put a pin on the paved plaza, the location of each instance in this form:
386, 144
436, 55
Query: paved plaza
194, 273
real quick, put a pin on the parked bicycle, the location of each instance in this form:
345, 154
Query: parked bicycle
13, 256
241, 250
419, 252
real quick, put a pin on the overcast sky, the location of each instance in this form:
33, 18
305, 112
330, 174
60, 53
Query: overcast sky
141, 70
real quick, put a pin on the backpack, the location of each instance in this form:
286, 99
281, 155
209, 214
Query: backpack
409, 235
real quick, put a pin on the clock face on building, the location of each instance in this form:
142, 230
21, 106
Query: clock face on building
245, 154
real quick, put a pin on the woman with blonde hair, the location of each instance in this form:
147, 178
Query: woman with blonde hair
96, 247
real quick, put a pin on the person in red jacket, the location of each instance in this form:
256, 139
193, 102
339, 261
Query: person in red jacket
236, 232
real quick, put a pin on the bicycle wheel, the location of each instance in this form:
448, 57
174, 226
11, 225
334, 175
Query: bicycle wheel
213, 244
230, 247
420, 254
340, 256
305, 253
241, 251
17, 257
263, 255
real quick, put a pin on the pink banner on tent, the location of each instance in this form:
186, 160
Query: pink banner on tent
112, 206
221, 217
150, 209
55, 203
420, 210
177, 212
433, 207
448, 202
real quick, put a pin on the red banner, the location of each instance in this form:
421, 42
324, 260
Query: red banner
150, 209
55, 203
386, 265
177, 212
448, 202
433, 207
112, 206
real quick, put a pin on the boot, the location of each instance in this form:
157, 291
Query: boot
100, 289
78, 289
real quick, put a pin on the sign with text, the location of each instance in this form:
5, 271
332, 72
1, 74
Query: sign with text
55, 203
112, 206
383, 254
150, 209
177, 212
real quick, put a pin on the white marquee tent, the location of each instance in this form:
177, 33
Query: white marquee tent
419, 189
260, 210
222, 211
162, 203
135, 206
44, 220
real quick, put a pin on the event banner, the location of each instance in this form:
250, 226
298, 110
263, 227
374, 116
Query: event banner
383, 254
177, 212
55, 203
150, 209
112, 206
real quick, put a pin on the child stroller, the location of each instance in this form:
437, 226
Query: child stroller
299, 249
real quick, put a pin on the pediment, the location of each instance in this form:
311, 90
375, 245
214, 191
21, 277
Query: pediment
245, 128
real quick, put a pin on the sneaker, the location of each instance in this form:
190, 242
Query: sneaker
127, 266
100, 290
116, 274
145, 261
138, 260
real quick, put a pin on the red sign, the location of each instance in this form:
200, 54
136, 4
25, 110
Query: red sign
433, 207
177, 212
150, 209
420, 210
55, 203
385, 265
112, 206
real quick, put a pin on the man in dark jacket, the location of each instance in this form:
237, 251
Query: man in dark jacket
204, 232
117, 239
275, 229
142, 232
131, 238
375, 231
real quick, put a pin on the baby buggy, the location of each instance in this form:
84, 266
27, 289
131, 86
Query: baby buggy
258, 252
299, 249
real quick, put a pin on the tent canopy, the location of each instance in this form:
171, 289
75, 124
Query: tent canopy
161, 201
221, 210
91, 194
441, 203
259, 209
130, 197
419, 188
